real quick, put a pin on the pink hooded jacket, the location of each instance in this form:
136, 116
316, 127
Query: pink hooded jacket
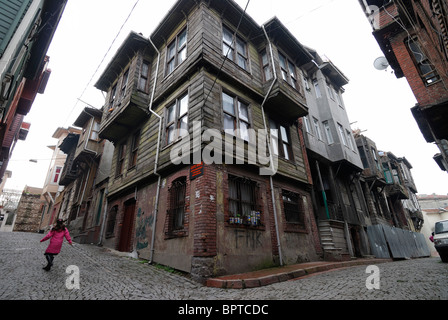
57, 238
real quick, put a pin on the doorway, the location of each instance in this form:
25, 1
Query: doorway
125, 242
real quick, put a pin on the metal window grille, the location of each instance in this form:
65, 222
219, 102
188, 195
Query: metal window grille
242, 197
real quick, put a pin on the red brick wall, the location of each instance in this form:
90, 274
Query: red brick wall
425, 95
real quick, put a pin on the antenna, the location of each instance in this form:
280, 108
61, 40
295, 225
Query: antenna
381, 63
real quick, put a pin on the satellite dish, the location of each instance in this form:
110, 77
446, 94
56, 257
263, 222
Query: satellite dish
381, 63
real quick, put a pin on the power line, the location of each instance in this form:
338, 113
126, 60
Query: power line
102, 60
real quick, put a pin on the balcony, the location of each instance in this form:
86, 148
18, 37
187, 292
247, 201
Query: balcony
88, 145
287, 101
397, 190
69, 172
124, 117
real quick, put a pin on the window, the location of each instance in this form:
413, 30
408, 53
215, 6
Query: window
317, 128
375, 158
427, 71
144, 77
327, 130
288, 71
317, 89
242, 198
330, 92
95, 129
57, 174
236, 116
177, 193
350, 140
134, 149
112, 97
307, 83
292, 205
177, 119
342, 135
124, 83
307, 124
120, 159
239, 56
280, 140
338, 98
266, 66
363, 156
176, 52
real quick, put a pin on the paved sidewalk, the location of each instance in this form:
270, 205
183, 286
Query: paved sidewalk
280, 274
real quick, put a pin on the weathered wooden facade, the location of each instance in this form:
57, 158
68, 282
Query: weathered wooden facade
84, 177
179, 193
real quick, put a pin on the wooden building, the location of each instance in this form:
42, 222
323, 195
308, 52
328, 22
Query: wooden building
193, 184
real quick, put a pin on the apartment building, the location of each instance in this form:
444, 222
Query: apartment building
210, 172
26, 30
413, 37
334, 161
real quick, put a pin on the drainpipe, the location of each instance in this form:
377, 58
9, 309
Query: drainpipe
156, 162
269, 147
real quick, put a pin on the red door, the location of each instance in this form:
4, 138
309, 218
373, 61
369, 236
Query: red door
126, 228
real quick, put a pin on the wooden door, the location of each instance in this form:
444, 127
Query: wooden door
126, 228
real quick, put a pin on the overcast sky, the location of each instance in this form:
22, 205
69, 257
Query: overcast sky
376, 101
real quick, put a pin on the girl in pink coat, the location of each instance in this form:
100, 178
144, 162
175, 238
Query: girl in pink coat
56, 235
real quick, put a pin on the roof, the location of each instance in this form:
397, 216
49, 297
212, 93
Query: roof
86, 114
131, 45
280, 34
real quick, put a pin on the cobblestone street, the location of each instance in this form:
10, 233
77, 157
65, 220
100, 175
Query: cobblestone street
106, 276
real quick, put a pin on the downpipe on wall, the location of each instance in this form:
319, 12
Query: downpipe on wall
156, 162
269, 147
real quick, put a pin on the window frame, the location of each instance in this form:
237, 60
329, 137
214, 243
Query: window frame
428, 78
342, 135
317, 129
293, 216
350, 140
56, 175
177, 205
266, 65
144, 77
317, 90
237, 201
178, 48
124, 84
282, 147
113, 97
177, 120
327, 130
231, 51
133, 154
94, 132
288, 70
121, 158
236, 116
